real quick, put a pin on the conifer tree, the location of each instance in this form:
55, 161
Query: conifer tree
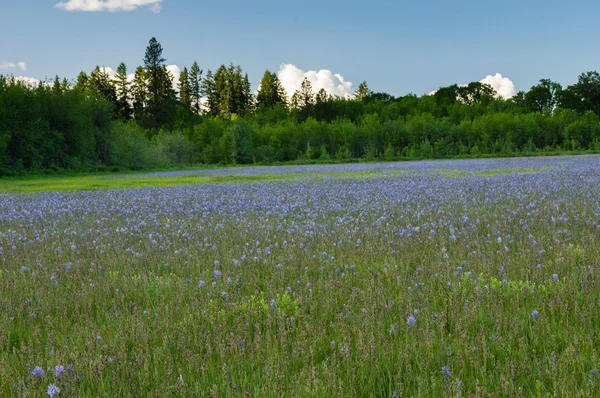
160, 109
271, 91
82, 81
303, 100
139, 93
207, 89
363, 92
100, 83
196, 86
185, 93
122, 88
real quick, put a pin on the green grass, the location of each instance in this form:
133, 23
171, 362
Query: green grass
126, 265
22, 185
490, 173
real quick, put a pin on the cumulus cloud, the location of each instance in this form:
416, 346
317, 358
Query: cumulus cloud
28, 81
109, 5
11, 65
334, 84
503, 85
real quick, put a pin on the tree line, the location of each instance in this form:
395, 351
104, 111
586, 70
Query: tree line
149, 120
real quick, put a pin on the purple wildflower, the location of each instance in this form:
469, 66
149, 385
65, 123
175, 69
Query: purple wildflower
38, 372
53, 390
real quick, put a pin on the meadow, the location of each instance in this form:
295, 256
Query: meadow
447, 278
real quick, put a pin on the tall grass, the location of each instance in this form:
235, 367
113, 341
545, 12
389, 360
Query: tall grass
419, 284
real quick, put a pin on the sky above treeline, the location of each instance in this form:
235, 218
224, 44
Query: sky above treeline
398, 47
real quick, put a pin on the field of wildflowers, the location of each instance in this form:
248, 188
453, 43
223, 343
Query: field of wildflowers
454, 278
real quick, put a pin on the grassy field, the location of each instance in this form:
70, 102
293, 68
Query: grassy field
122, 181
466, 278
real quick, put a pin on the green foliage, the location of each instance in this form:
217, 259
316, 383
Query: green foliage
123, 94
270, 92
58, 126
195, 86
363, 92
161, 101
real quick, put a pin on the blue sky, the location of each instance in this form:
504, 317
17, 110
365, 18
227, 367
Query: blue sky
397, 47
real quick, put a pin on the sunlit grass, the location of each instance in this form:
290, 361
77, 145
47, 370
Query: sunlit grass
124, 181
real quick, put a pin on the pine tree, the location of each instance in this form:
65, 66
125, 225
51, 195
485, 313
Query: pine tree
271, 91
303, 100
82, 82
185, 93
321, 97
160, 110
65, 85
228, 92
56, 86
122, 88
246, 97
207, 89
140, 94
153, 64
195, 86
363, 92
100, 83
222, 92
323, 105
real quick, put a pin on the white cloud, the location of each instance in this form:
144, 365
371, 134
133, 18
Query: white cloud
175, 72
503, 85
109, 5
334, 84
11, 65
28, 81
109, 71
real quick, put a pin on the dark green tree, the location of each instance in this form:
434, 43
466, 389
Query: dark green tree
474, 92
122, 88
160, 110
270, 91
57, 87
185, 92
82, 82
227, 92
196, 86
323, 106
100, 83
303, 100
584, 95
139, 93
542, 97
208, 90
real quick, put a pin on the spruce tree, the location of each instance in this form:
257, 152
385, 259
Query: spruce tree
160, 110
100, 83
82, 82
363, 92
195, 77
185, 93
303, 100
208, 90
122, 87
270, 92
140, 94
